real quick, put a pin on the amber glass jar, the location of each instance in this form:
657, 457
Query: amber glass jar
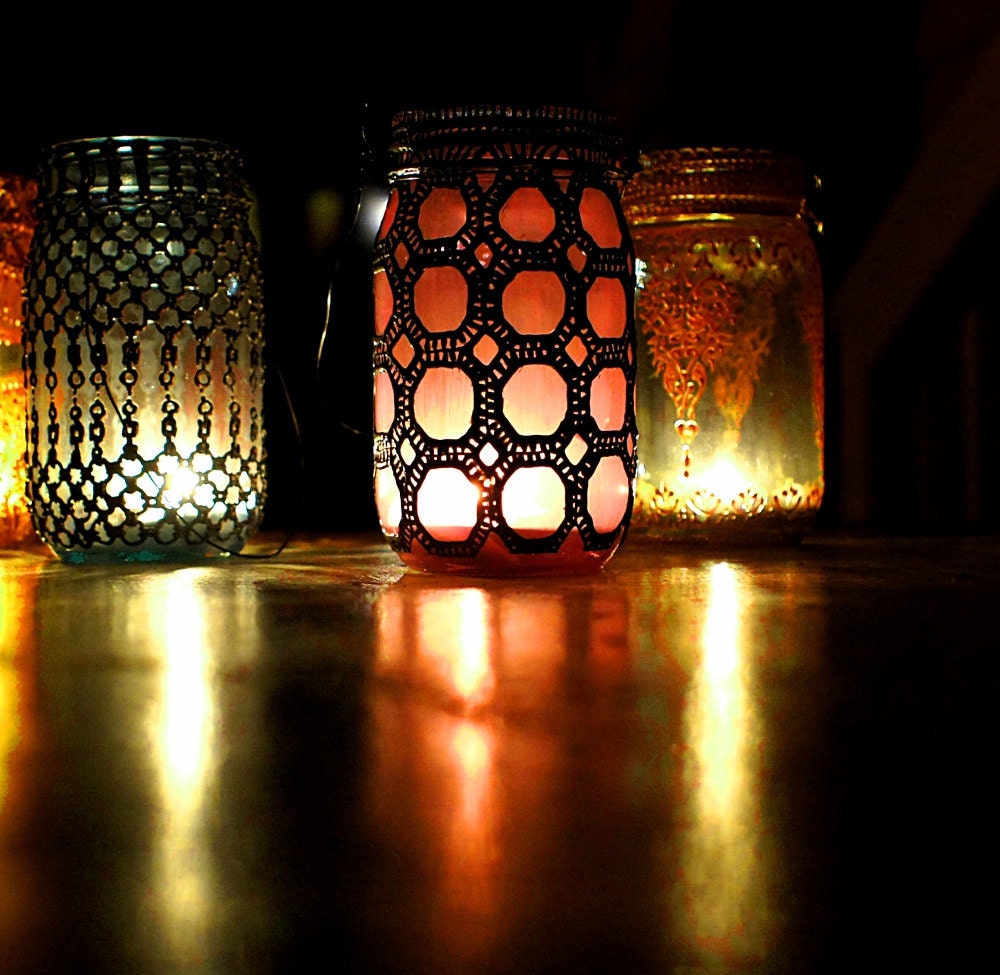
17, 222
504, 355
730, 372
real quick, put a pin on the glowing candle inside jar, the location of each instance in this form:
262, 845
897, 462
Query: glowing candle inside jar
730, 311
504, 353
17, 222
723, 479
144, 352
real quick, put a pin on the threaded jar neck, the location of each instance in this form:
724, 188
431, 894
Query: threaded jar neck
496, 136
676, 182
124, 170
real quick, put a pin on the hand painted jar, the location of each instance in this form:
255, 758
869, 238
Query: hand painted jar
729, 308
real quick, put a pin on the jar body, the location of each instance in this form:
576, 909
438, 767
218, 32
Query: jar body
504, 355
144, 352
730, 377
17, 222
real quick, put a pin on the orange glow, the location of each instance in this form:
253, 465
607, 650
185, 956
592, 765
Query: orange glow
22, 900
608, 496
17, 223
453, 642
458, 643
471, 847
383, 301
440, 639
534, 302
607, 307
600, 217
440, 299
11, 623
534, 400
495, 559
465, 762
607, 399
442, 214
15, 520
442, 403
527, 215
503, 314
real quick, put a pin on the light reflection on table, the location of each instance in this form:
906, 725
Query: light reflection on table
235, 766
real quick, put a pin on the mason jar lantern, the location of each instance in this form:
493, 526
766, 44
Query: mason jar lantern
17, 222
504, 356
730, 369
144, 336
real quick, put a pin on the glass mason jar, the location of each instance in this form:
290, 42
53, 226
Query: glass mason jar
504, 353
144, 336
730, 387
17, 222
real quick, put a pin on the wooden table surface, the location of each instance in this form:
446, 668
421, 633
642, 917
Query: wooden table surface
693, 762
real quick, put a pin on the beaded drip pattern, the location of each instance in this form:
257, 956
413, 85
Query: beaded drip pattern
144, 351
489, 198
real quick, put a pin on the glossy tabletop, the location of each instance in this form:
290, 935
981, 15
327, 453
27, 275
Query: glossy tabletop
319, 761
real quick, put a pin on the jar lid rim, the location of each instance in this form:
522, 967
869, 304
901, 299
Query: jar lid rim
495, 134
138, 138
699, 179
493, 112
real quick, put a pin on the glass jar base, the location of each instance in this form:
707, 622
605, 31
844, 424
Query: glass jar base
145, 552
761, 530
495, 560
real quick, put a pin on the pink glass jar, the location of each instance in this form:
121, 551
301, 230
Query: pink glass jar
504, 356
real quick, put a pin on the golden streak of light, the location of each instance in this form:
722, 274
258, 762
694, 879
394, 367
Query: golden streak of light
452, 633
185, 723
722, 718
11, 622
725, 907
184, 740
10, 731
25, 903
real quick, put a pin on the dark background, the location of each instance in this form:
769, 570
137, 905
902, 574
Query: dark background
895, 107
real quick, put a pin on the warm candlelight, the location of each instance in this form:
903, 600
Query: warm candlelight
504, 362
144, 346
730, 375
17, 222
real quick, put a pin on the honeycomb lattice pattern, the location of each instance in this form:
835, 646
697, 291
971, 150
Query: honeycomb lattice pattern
505, 346
143, 353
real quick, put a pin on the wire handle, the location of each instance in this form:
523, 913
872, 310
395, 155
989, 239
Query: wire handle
367, 163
